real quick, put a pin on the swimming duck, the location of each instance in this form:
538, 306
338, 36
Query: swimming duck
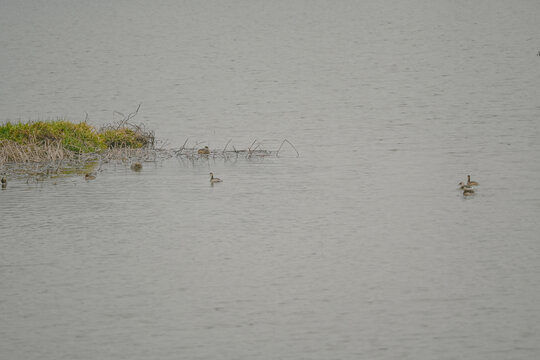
213, 179
204, 151
136, 166
89, 177
469, 182
4, 182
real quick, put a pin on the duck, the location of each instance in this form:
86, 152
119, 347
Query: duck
136, 166
4, 182
204, 151
89, 177
214, 179
469, 182
467, 189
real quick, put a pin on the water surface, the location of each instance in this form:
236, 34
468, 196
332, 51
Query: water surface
362, 247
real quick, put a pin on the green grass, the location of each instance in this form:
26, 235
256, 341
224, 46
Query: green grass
123, 137
76, 137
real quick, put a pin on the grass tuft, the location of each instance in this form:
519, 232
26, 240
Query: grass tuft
123, 138
79, 138
42, 149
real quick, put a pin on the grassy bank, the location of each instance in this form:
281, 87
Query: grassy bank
43, 149
37, 141
81, 137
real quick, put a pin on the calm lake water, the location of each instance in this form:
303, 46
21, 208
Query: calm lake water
361, 248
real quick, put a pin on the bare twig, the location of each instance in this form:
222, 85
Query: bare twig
254, 141
287, 141
126, 119
225, 148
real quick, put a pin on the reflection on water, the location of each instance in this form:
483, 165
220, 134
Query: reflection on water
362, 247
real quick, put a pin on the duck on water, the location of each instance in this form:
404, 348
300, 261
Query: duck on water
136, 166
204, 151
467, 188
468, 191
214, 179
470, 182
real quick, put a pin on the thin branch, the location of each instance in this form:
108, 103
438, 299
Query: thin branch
225, 148
252, 144
287, 141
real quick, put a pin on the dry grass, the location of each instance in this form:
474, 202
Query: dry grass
13, 152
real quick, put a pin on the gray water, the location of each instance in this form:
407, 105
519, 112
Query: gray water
361, 248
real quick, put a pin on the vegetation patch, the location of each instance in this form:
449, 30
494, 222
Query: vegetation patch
77, 138
38, 150
122, 138
60, 146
